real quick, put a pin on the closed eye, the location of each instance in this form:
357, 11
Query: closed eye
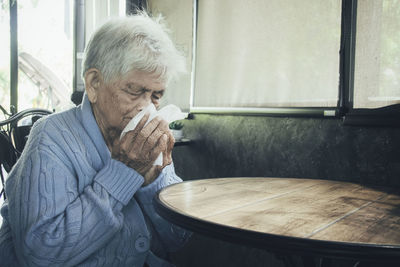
157, 97
158, 94
133, 92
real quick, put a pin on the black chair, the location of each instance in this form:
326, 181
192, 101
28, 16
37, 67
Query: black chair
13, 138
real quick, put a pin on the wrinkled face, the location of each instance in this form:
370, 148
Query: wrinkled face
116, 103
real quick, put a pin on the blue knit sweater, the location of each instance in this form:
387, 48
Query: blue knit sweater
70, 204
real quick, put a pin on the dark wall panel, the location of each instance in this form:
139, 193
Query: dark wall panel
289, 147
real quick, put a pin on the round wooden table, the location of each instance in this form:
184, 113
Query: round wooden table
306, 216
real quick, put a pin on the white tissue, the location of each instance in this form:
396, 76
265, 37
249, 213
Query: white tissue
168, 113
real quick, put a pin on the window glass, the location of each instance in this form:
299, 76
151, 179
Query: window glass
4, 72
276, 53
178, 16
4, 57
45, 54
98, 12
377, 62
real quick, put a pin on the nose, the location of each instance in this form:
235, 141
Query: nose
144, 101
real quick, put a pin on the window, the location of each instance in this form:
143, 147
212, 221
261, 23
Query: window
90, 15
276, 53
178, 15
289, 56
44, 54
97, 12
377, 61
48, 67
4, 77
4, 57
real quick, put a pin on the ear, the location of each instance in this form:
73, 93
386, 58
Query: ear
93, 81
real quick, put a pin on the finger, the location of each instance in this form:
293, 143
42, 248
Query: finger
167, 159
170, 147
164, 126
171, 141
117, 153
128, 139
159, 147
118, 149
145, 133
142, 122
152, 140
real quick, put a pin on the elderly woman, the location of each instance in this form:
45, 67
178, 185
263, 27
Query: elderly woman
81, 196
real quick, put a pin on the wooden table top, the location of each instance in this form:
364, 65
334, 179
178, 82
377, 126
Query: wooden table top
332, 218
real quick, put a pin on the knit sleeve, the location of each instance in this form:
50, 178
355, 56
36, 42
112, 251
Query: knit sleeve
170, 237
55, 224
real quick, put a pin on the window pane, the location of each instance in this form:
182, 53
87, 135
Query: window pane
4, 57
267, 53
98, 12
45, 54
377, 63
4, 71
179, 20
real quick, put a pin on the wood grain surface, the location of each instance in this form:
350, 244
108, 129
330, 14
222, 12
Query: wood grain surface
305, 208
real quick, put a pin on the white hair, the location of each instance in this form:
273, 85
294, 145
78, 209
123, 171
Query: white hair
136, 42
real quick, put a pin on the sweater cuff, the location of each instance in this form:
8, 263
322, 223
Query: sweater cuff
167, 177
119, 180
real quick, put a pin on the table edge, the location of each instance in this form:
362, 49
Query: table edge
279, 243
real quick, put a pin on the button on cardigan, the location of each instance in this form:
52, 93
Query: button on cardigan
70, 204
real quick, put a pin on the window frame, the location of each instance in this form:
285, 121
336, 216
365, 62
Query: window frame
386, 116
13, 7
78, 49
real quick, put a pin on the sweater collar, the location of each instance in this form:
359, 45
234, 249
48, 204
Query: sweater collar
91, 127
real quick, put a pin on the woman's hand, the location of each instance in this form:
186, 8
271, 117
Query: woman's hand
140, 147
